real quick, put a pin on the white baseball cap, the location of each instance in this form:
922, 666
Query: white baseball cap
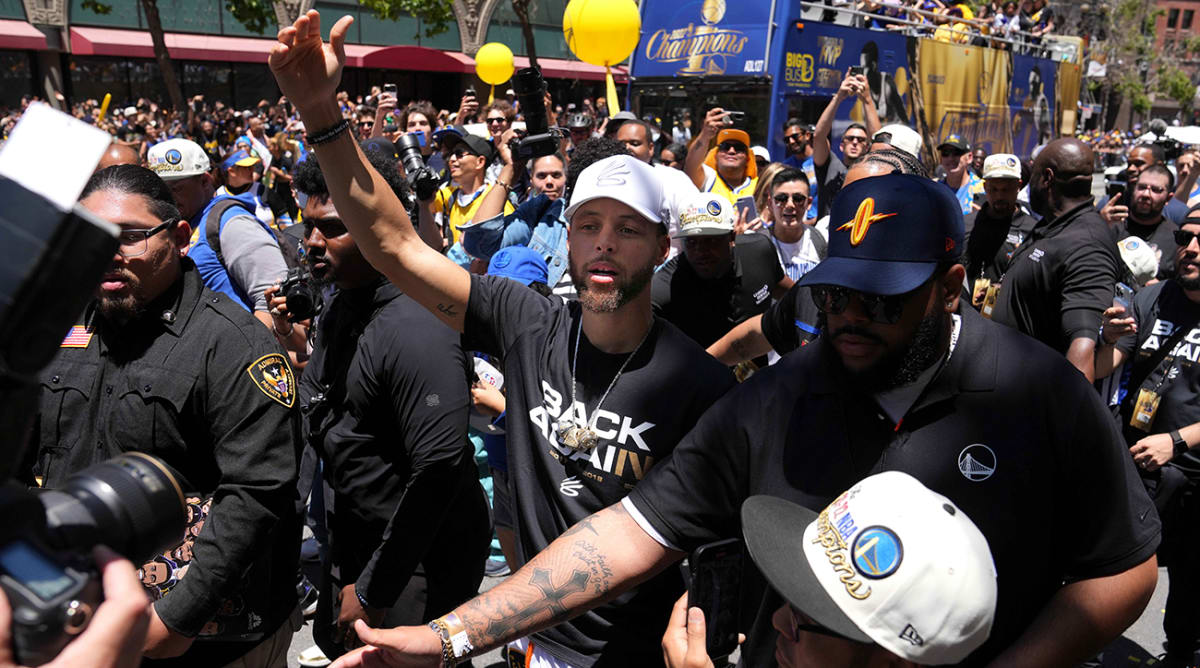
1141, 259
1002, 166
761, 152
705, 215
623, 178
888, 562
901, 137
176, 159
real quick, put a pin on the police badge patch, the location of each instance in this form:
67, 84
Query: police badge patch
273, 375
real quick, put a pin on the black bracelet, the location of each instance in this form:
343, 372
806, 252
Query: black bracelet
328, 134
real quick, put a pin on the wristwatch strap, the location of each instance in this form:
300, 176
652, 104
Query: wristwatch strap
1181, 445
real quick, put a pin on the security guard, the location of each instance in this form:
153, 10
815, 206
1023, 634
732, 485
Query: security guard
160, 364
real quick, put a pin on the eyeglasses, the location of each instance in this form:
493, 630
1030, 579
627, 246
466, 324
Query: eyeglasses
499, 119
854, 139
736, 146
883, 309
366, 124
797, 198
1183, 238
1157, 190
792, 137
135, 242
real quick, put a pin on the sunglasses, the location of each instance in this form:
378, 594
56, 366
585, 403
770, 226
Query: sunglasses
1183, 238
854, 140
496, 120
460, 153
366, 124
793, 137
736, 146
797, 198
883, 309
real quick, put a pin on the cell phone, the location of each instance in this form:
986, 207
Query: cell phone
1115, 190
1123, 296
389, 88
469, 92
747, 204
734, 116
857, 71
420, 137
715, 586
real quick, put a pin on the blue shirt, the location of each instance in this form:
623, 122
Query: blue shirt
214, 274
537, 222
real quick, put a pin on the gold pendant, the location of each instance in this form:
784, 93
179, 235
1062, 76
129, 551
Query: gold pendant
578, 438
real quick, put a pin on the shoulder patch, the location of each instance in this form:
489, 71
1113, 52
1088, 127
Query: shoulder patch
273, 376
78, 337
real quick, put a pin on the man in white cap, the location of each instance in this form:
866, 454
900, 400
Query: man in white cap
593, 399
996, 229
246, 258
922, 590
898, 136
719, 280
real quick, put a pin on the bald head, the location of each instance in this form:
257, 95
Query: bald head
118, 154
1068, 157
1062, 176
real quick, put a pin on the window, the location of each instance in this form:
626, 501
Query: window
1187, 19
1173, 17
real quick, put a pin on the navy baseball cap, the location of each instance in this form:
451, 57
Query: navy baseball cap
888, 233
520, 263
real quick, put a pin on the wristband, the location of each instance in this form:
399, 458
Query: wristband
328, 134
454, 638
361, 601
1181, 445
507, 188
291, 328
439, 627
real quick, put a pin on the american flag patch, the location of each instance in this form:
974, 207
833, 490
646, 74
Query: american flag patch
78, 337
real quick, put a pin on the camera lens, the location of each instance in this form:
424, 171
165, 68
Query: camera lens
410, 153
132, 503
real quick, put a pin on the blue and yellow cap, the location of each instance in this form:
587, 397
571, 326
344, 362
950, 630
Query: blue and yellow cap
240, 159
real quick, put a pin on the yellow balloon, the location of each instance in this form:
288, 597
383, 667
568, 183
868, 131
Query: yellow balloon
494, 63
601, 32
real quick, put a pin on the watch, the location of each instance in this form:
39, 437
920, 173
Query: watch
1181, 445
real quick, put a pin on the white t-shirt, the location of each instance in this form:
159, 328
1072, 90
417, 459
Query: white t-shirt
797, 258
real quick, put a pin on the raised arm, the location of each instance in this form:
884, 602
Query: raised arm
850, 87
308, 71
714, 121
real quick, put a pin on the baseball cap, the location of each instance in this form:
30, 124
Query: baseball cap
623, 178
705, 215
1140, 258
520, 263
381, 144
955, 142
761, 152
732, 134
900, 137
579, 121
1002, 166
240, 159
475, 144
176, 159
888, 233
888, 562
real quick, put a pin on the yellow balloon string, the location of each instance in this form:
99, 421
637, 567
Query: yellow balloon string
491, 93
611, 89
104, 106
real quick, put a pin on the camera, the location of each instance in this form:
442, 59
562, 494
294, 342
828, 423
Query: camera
539, 139
303, 297
134, 504
420, 178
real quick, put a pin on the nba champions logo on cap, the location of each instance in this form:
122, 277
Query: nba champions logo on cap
713, 207
864, 218
173, 157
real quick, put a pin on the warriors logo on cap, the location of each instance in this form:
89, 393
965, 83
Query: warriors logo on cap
173, 157
864, 218
705, 215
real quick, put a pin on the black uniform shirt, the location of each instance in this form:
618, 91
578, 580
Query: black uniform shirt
666, 386
793, 321
991, 242
1034, 460
707, 309
200, 383
385, 400
1160, 237
1159, 310
1061, 279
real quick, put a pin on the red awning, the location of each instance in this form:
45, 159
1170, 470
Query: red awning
418, 58
557, 68
20, 35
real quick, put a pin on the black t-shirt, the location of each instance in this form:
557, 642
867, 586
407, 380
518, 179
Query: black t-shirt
991, 242
1057, 498
791, 322
1160, 237
830, 177
707, 309
1159, 310
663, 391
1061, 279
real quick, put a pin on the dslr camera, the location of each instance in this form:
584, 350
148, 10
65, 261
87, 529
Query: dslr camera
303, 297
421, 178
539, 138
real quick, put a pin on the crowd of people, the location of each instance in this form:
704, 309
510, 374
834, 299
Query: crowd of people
949, 408
1023, 22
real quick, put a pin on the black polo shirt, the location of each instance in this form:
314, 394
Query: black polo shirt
791, 322
992, 240
1057, 499
1061, 279
707, 309
1160, 237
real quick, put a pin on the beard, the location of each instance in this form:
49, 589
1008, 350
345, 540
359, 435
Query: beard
126, 307
898, 367
610, 299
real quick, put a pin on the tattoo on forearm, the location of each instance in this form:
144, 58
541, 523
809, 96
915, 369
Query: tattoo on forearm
537, 596
447, 310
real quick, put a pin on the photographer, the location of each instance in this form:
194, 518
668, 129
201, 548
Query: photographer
115, 635
421, 118
456, 204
